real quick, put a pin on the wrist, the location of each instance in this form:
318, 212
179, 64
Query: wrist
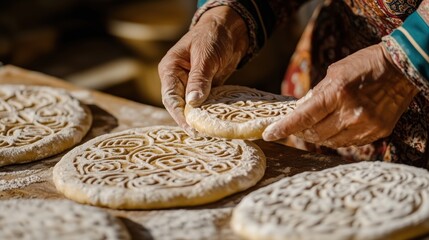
388, 59
392, 66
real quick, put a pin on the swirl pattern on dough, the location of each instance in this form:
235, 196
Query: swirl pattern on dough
158, 164
367, 200
238, 112
244, 104
56, 219
33, 117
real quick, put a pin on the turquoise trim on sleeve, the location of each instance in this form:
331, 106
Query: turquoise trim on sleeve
413, 55
418, 29
413, 38
201, 3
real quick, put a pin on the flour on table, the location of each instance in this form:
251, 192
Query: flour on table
134, 118
57, 219
366, 200
19, 179
157, 167
201, 224
238, 112
38, 122
155, 113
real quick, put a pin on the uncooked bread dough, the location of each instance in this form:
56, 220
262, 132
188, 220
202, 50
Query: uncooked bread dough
238, 112
157, 167
56, 219
192, 224
38, 122
366, 200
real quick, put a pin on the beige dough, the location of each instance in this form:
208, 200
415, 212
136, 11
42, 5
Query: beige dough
366, 200
57, 219
238, 112
157, 167
38, 122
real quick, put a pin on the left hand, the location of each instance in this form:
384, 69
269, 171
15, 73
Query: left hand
359, 101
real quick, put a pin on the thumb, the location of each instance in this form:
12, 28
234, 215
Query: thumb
198, 87
201, 74
304, 116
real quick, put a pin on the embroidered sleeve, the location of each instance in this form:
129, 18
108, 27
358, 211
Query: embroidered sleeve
409, 47
261, 17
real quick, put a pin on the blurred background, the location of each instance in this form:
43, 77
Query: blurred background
115, 45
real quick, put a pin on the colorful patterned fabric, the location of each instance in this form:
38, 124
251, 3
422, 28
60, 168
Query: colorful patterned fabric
409, 48
340, 28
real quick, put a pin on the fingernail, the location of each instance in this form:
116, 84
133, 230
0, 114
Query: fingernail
268, 134
268, 137
192, 97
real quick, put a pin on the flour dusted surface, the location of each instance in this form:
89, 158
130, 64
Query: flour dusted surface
19, 179
38, 122
238, 112
38, 219
198, 224
366, 200
157, 167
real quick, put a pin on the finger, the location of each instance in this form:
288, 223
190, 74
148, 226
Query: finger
305, 97
172, 98
173, 91
357, 136
204, 65
324, 129
303, 117
344, 138
173, 72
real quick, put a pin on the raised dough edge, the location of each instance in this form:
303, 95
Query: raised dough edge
66, 183
53, 144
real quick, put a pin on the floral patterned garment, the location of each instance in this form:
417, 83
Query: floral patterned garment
340, 28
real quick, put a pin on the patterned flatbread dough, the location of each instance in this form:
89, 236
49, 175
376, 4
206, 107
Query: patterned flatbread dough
38, 122
367, 200
57, 219
157, 167
238, 112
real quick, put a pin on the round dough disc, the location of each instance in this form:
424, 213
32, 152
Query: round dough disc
366, 200
56, 219
238, 112
157, 167
38, 122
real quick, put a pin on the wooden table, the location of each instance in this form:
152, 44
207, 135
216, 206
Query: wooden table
112, 114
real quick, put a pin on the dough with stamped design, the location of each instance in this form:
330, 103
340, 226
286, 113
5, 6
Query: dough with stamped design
366, 200
238, 112
57, 219
157, 167
37, 122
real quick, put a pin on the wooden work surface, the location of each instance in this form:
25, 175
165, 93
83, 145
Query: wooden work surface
112, 114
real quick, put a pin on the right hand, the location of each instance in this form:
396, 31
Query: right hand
207, 55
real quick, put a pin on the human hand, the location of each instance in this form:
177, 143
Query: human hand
205, 56
359, 101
